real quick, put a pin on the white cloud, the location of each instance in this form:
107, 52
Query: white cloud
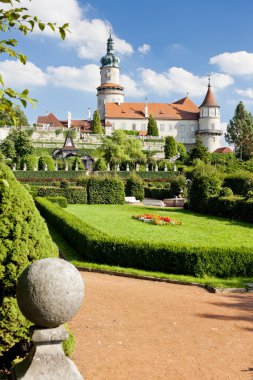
248, 93
237, 63
85, 78
144, 49
88, 36
131, 88
17, 75
179, 80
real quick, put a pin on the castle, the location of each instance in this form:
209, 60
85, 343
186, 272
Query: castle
182, 119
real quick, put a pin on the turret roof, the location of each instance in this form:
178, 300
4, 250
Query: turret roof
209, 100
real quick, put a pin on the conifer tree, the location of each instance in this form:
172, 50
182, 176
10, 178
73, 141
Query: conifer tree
96, 125
152, 126
240, 131
199, 151
170, 148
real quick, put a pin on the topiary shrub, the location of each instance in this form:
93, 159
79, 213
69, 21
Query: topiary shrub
178, 185
24, 238
108, 190
30, 161
240, 183
73, 194
134, 187
46, 160
226, 192
100, 164
64, 184
61, 201
73, 161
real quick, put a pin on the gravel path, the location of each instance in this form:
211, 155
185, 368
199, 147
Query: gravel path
130, 329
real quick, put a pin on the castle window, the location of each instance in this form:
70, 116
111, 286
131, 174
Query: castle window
134, 127
171, 127
123, 126
161, 127
182, 128
192, 128
143, 127
211, 111
182, 139
205, 112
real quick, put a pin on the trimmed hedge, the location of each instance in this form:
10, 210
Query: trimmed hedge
240, 183
233, 207
106, 190
156, 193
61, 201
99, 247
134, 187
73, 194
53, 175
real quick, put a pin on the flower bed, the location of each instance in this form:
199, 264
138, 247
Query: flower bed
157, 219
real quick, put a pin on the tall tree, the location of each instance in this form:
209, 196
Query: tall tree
17, 145
199, 150
6, 119
240, 131
14, 18
96, 125
152, 126
170, 148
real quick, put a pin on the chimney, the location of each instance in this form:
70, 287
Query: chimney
89, 114
146, 108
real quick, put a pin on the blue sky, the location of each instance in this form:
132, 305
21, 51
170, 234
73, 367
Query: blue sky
166, 50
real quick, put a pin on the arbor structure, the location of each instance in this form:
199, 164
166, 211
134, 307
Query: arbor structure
152, 127
13, 17
170, 148
240, 131
96, 125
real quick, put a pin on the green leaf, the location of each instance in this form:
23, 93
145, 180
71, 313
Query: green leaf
41, 26
51, 26
62, 33
24, 102
1, 80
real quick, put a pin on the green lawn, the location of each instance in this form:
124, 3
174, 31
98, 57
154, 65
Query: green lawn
196, 229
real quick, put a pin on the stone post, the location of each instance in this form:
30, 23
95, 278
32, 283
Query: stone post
127, 167
66, 166
156, 167
147, 169
56, 167
49, 293
108, 167
24, 167
45, 167
165, 168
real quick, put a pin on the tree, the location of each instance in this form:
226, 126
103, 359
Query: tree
24, 238
96, 125
199, 151
15, 18
16, 145
120, 148
182, 151
152, 126
170, 148
240, 131
6, 119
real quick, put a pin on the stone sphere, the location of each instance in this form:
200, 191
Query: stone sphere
50, 292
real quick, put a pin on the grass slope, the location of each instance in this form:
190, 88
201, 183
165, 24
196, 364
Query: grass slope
196, 229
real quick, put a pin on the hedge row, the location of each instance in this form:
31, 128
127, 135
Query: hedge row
156, 193
96, 246
240, 183
106, 190
144, 175
61, 201
60, 174
72, 194
231, 207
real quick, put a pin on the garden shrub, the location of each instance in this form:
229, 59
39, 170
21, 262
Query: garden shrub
24, 238
82, 181
64, 184
46, 160
177, 185
239, 183
234, 207
73, 194
73, 161
249, 194
99, 247
100, 165
30, 161
134, 187
156, 193
61, 201
106, 190
226, 192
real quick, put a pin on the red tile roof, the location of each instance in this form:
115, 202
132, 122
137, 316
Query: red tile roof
183, 109
143, 133
209, 100
49, 119
110, 85
224, 149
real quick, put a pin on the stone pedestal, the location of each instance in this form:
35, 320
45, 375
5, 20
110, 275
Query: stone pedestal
46, 360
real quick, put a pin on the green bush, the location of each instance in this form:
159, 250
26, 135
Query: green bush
24, 238
226, 192
50, 175
73, 194
100, 165
61, 201
178, 185
106, 190
134, 187
82, 181
249, 194
46, 160
30, 161
73, 161
99, 247
239, 183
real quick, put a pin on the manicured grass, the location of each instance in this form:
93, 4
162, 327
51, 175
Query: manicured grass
76, 259
196, 229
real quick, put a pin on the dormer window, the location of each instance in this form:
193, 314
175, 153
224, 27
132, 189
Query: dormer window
212, 111
204, 112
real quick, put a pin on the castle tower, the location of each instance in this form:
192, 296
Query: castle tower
109, 91
209, 121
